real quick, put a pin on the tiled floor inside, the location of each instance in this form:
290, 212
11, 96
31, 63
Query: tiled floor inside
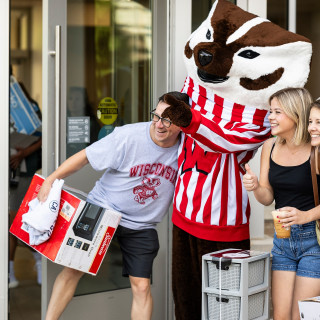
25, 300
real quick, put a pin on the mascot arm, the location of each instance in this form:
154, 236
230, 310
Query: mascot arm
214, 136
225, 137
178, 111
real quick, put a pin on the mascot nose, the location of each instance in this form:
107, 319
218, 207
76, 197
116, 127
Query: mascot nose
204, 57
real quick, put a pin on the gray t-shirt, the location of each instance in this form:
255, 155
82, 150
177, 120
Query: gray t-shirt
140, 176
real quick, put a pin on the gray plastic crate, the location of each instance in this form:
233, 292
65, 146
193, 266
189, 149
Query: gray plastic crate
240, 280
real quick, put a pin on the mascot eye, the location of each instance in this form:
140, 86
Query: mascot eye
208, 34
249, 54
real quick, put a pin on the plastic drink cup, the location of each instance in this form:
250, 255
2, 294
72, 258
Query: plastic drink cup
281, 232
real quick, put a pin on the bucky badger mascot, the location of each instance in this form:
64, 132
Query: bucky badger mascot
235, 61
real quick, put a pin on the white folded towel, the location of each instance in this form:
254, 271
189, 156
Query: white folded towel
39, 221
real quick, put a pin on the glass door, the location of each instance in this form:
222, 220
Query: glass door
97, 62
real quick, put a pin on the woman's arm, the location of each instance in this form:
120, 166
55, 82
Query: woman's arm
262, 189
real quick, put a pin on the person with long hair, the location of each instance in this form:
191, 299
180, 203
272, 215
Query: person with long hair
285, 177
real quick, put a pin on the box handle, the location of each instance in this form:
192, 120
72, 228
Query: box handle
223, 300
225, 263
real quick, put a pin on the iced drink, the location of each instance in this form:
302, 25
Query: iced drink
280, 232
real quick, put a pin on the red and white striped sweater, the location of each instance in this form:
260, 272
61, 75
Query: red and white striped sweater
210, 201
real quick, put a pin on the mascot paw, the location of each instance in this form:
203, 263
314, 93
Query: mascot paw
179, 112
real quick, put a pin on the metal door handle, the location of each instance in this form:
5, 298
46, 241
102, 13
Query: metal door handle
57, 54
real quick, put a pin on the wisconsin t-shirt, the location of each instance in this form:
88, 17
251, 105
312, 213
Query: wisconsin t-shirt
140, 176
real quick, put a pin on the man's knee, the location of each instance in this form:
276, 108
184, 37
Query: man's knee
68, 274
140, 286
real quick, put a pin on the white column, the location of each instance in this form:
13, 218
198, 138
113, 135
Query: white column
258, 7
180, 31
4, 163
292, 18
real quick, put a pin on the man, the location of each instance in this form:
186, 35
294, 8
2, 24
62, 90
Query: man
140, 163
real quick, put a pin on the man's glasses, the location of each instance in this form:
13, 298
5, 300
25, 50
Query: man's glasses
155, 118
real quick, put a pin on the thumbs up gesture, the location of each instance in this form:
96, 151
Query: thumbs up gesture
250, 180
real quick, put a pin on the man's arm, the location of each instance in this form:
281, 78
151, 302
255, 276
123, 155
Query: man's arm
67, 168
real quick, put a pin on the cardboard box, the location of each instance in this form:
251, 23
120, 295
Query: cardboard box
310, 308
22, 113
82, 233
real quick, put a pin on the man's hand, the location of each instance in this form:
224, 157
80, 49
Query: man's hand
44, 190
179, 112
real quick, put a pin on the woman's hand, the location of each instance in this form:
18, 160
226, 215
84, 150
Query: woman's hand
250, 180
289, 216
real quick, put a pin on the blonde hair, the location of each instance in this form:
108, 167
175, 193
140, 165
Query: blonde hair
296, 104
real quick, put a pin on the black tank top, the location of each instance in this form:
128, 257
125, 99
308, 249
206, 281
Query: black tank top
292, 186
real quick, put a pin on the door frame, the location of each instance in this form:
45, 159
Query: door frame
4, 160
160, 76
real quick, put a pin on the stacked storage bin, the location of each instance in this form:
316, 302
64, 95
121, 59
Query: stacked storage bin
235, 285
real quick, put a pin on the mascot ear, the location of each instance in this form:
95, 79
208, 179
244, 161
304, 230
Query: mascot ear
178, 111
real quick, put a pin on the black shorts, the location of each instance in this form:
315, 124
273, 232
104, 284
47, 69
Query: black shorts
139, 248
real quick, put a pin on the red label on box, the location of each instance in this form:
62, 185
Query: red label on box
102, 249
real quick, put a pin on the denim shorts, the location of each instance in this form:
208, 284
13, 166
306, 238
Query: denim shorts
299, 253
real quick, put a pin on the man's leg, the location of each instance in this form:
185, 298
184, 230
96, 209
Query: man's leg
63, 291
142, 299
139, 248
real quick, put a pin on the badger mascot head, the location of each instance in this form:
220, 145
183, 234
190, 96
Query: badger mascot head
245, 58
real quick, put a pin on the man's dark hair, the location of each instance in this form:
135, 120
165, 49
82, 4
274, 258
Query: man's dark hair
178, 95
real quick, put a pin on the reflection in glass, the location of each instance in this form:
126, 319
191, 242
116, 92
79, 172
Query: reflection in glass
200, 11
308, 25
109, 47
277, 12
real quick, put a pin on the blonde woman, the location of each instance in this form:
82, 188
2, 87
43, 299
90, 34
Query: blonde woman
285, 177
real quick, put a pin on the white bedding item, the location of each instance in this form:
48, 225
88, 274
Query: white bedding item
42, 216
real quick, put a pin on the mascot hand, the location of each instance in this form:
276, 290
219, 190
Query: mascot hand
179, 112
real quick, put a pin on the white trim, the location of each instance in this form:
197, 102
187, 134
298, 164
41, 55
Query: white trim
292, 16
180, 31
245, 28
4, 159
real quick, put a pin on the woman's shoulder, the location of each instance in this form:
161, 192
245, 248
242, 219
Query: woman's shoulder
268, 144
